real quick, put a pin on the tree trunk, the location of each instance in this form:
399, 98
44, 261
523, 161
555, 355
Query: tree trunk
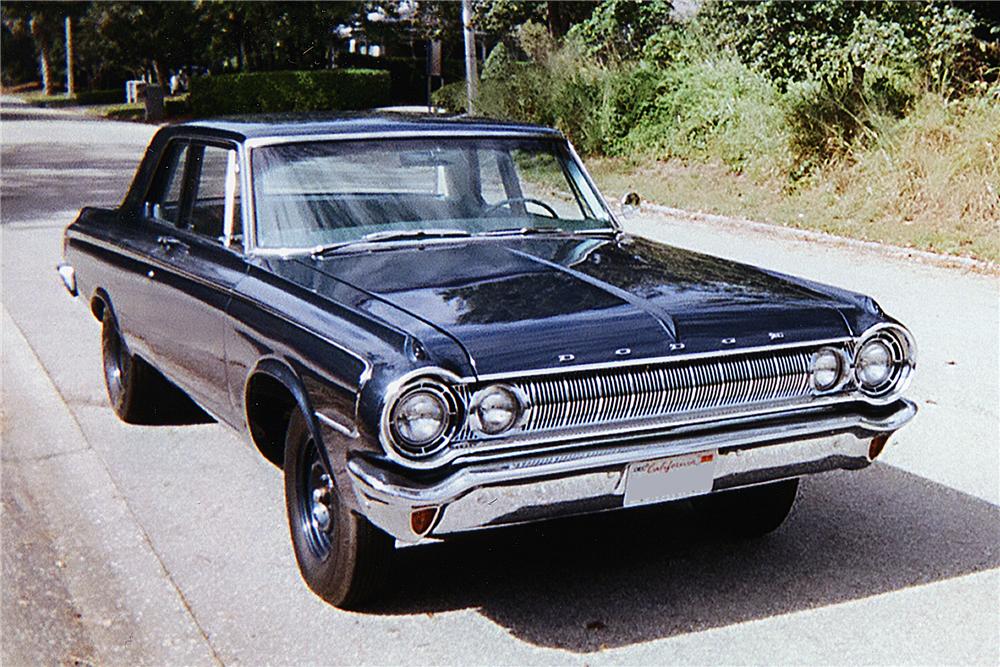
46, 67
158, 71
241, 55
70, 84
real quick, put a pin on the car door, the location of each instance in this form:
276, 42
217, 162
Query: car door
200, 256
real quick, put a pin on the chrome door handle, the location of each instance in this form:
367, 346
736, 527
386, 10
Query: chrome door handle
170, 242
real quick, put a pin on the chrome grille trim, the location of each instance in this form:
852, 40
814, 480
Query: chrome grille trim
658, 391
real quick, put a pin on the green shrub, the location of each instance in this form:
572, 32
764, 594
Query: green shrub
451, 96
268, 92
173, 107
715, 109
108, 96
82, 98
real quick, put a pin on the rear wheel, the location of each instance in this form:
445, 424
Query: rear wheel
749, 512
125, 376
139, 394
342, 557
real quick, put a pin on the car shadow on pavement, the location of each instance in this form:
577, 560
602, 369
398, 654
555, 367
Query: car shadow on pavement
589, 583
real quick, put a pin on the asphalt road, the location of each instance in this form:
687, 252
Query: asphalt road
168, 545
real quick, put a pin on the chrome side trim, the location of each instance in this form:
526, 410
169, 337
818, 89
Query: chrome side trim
335, 425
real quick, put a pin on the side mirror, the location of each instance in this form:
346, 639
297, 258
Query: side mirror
630, 204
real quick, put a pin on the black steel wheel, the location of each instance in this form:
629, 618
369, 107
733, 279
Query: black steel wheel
314, 500
750, 512
124, 374
342, 557
138, 393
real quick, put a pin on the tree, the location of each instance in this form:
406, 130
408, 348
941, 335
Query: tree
147, 36
252, 36
44, 22
618, 29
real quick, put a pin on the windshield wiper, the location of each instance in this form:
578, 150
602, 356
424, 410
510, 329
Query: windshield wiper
527, 231
388, 236
524, 231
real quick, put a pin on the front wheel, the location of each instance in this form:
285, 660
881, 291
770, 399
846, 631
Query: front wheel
750, 512
342, 557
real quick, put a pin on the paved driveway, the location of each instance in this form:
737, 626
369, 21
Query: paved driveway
165, 545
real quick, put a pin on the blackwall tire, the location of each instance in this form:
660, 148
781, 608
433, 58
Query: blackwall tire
342, 557
125, 376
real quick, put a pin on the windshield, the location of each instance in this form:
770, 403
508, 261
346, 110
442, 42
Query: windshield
308, 195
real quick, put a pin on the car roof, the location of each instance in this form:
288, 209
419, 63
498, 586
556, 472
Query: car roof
266, 126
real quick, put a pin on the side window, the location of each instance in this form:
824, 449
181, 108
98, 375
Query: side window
209, 165
167, 206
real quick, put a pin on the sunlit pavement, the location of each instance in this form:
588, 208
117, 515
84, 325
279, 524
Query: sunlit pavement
166, 545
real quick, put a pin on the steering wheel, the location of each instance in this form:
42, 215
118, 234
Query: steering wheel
524, 200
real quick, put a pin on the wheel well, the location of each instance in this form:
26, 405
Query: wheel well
269, 406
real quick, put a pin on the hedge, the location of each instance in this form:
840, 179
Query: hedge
409, 75
81, 98
266, 92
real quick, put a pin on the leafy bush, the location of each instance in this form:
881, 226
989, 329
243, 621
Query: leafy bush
799, 41
619, 29
173, 107
408, 75
267, 92
451, 96
714, 109
82, 98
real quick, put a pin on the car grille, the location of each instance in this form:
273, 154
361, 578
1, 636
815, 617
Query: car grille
644, 393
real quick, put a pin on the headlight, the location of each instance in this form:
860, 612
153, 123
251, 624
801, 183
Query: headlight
874, 365
419, 417
827, 369
884, 361
496, 409
423, 418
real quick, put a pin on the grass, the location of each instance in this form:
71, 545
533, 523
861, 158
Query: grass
931, 182
95, 103
174, 107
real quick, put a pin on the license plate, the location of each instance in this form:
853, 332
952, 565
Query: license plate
670, 478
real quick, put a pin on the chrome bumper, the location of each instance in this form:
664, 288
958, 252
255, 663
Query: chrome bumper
532, 487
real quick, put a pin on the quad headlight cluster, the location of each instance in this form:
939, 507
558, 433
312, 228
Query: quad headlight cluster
426, 414
880, 367
423, 415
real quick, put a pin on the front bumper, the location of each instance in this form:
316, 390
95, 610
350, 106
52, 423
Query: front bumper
528, 487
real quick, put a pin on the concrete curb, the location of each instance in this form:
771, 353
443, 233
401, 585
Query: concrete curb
937, 259
126, 602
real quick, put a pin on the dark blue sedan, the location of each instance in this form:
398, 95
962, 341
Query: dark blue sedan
436, 325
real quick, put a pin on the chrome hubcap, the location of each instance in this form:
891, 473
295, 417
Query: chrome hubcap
321, 503
317, 501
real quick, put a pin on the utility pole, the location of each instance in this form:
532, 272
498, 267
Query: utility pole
69, 57
471, 73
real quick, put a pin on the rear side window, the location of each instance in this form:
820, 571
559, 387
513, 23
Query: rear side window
209, 166
167, 206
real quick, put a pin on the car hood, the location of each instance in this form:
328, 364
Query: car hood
527, 303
